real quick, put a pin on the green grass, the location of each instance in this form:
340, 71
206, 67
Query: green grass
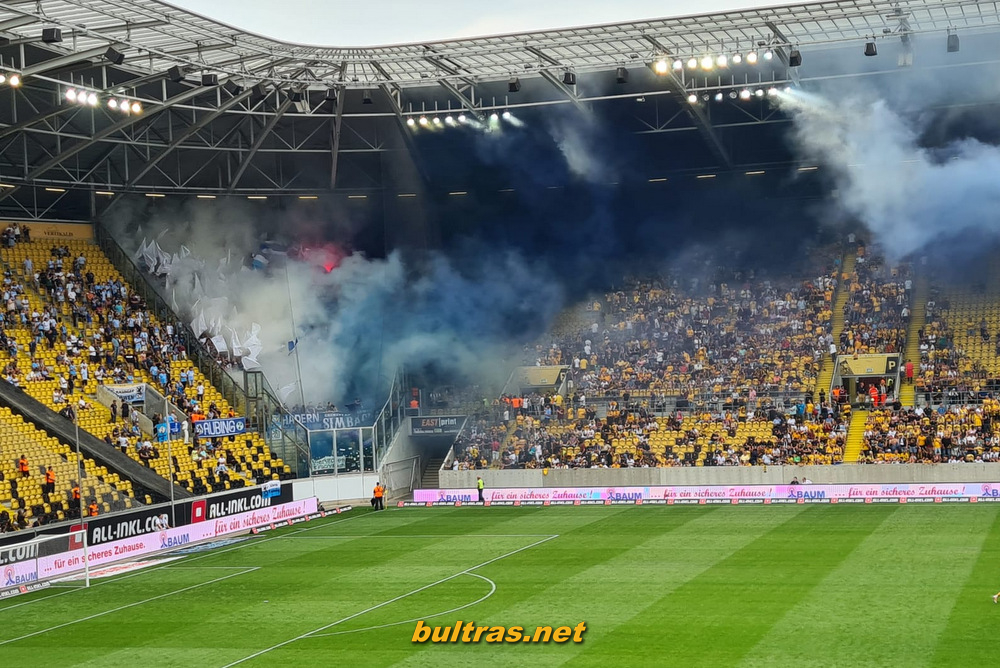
694, 586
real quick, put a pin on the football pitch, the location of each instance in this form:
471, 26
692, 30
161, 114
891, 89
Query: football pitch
804, 585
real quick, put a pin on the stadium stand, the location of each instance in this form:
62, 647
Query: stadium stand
877, 309
739, 337
959, 345
634, 437
71, 314
26, 492
957, 434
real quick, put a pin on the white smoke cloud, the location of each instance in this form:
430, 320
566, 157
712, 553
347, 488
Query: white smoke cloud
355, 325
908, 195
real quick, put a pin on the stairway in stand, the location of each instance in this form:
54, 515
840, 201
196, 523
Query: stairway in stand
918, 318
431, 476
836, 320
855, 437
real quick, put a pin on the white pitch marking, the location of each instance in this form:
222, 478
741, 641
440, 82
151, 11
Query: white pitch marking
438, 535
189, 559
493, 588
385, 603
126, 607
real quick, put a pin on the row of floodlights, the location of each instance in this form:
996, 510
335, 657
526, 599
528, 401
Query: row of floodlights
461, 119
91, 99
744, 94
711, 62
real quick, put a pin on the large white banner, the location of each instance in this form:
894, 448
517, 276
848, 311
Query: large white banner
133, 393
73, 561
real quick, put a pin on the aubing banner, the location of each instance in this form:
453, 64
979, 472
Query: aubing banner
221, 427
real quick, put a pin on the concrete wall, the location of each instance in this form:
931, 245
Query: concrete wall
331, 488
729, 475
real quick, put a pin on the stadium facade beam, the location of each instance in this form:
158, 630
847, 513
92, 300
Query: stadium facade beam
68, 59
697, 115
19, 22
793, 73
188, 132
106, 132
392, 93
553, 79
262, 137
467, 103
336, 128
37, 118
563, 88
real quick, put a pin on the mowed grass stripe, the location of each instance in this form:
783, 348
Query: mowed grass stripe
715, 618
305, 585
904, 579
600, 534
969, 636
617, 589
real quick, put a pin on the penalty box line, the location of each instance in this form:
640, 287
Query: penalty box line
466, 571
189, 558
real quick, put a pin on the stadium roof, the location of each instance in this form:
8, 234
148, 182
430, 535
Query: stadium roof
227, 112
155, 36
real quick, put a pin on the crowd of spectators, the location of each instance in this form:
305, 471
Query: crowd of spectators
113, 339
631, 436
736, 335
924, 435
877, 310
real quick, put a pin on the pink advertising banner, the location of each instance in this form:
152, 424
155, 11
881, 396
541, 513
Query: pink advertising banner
73, 560
734, 493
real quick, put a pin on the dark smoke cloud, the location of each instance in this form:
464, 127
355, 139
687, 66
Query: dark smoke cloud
507, 264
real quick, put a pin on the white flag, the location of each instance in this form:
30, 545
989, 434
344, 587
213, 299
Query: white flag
285, 391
